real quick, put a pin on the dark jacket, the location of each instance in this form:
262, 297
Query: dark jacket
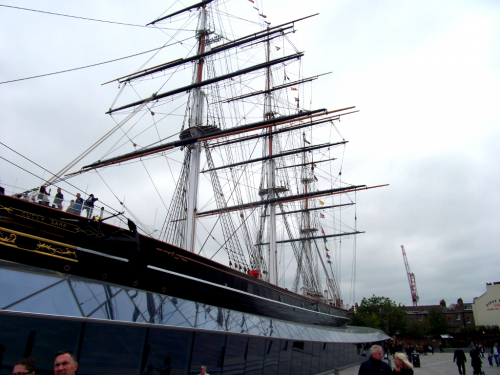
475, 358
459, 356
374, 366
405, 371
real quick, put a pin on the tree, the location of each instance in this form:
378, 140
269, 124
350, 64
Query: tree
381, 313
438, 323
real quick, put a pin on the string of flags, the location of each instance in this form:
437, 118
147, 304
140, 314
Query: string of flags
258, 10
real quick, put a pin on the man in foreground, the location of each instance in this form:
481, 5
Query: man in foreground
374, 364
65, 363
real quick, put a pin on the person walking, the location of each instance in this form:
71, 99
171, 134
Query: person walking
402, 365
475, 360
460, 359
374, 365
496, 353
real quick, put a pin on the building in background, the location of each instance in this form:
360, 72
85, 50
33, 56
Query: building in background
458, 315
486, 307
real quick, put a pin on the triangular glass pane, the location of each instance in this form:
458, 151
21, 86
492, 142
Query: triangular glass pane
17, 285
123, 307
91, 295
108, 309
57, 300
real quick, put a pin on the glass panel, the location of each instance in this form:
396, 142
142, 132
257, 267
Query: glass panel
307, 358
107, 301
255, 356
168, 350
330, 356
235, 353
112, 349
47, 337
271, 357
14, 287
316, 357
107, 310
297, 350
90, 296
323, 366
285, 357
337, 356
208, 350
57, 300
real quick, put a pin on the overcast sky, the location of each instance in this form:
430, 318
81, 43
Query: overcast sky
425, 76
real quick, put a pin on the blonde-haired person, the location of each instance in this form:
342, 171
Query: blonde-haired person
402, 365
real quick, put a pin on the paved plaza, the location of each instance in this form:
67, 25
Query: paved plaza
438, 364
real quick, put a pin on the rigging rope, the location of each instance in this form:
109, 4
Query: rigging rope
92, 65
84, 18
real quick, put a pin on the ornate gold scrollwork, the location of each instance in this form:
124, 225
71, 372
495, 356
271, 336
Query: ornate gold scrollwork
55, 250
11, 239
8, 209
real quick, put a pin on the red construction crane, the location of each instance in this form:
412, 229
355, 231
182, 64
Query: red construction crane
411, 279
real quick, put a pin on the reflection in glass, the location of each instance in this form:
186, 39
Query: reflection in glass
111, 349
168, 348
235, 355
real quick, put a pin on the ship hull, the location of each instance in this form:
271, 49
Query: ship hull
48, 238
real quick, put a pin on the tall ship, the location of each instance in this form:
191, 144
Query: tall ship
242, 276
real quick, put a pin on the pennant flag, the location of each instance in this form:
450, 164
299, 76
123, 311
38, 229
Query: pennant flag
251, 1
321, 215
326, 248
314, 164
293, 89
321, 202
324, 239
328, 260
277, 48
316, 178
287, 77
328, 256
262, 15
305, 140
322, 231
297, 100
256, 8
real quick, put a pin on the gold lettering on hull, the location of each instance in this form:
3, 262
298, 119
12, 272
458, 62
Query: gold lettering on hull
46, 247
68, 227
55, 250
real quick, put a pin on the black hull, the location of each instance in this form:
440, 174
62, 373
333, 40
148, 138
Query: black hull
48, 238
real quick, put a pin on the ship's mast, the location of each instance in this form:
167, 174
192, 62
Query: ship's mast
195, 121
271, 171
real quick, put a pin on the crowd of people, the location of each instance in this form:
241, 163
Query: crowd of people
75, 206
476, 353
403, 361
